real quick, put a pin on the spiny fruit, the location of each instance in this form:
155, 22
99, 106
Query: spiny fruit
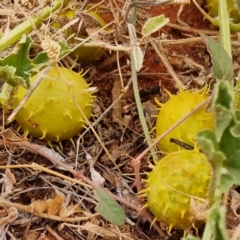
52, 111
174, 181
212, 6
174, 109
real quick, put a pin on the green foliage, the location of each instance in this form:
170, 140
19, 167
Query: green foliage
223, 151
222, 63
154, 24
216, 20
17, 68
222, 147
32, 22
109, 208
215, 228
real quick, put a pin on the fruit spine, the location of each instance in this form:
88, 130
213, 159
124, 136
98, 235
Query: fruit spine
174, 109
176, 182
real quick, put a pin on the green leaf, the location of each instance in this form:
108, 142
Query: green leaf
229, 144
237, 115
234, 160
227, 179
223, 95
207, 140
109, 208
223, 119
215, 228
227, 133
136, 54
222, 63
234, 174
31, 23
9, 75
154, 24
64, 49
235, 130
42, 60
16, 69
223, 147
138, 57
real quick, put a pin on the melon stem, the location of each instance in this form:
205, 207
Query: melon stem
30, 24
133, 41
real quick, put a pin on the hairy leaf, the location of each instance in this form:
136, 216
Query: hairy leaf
154, 24
223, 146
215, 228
222, 63
109, 208
14, 69
17, 68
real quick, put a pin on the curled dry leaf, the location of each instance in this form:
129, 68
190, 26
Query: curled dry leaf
12, 215
95, 176
10, 135
32, 236
199, 211
50, 206
69, 210
101, 231
124, 191
51, 209
44, 236
8, 181
232, 215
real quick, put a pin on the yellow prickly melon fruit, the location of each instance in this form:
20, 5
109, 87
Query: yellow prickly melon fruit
52, 111
234, 13
174, 109
176, 179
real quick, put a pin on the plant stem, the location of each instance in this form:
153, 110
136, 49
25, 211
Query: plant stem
225, 40
139, 107
224, 22
30, 24
237, 94
235, 27
135, 85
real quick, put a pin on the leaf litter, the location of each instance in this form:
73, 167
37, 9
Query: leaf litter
53, 194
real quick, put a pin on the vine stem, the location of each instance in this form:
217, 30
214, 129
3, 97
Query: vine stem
31, 23
224, 22
134, 43
139, 107
235, 27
